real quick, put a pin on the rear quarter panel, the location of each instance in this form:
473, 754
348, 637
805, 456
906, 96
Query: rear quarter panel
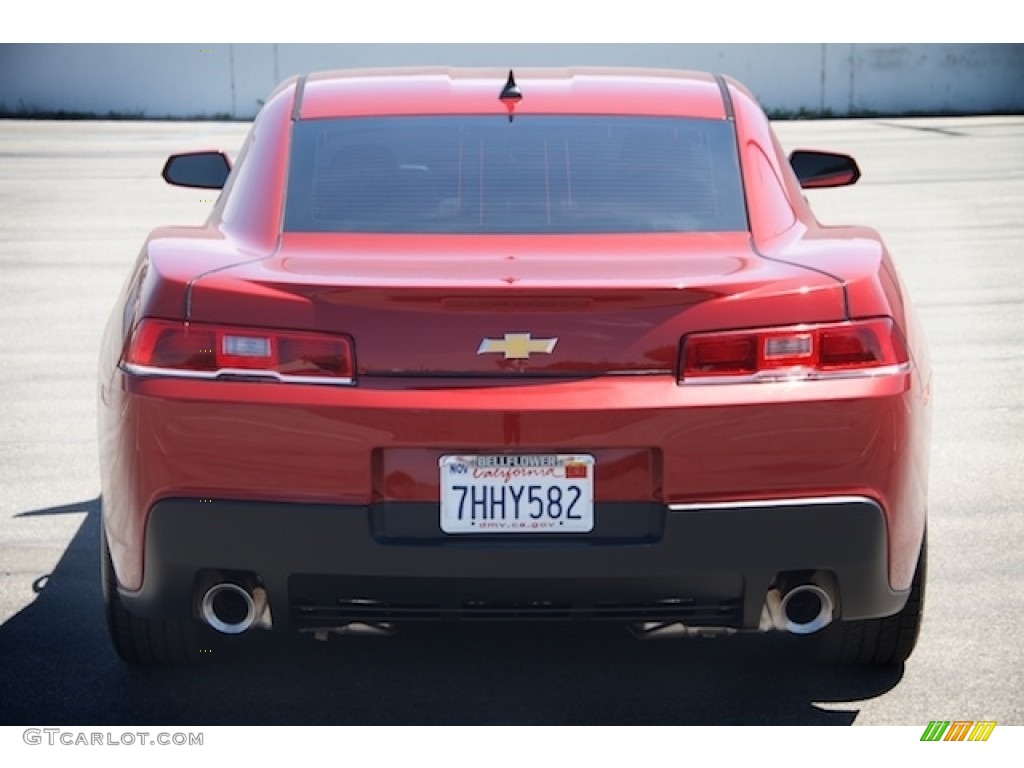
784, 227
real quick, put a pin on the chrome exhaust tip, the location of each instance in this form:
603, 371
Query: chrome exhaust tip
805, 609
228, 608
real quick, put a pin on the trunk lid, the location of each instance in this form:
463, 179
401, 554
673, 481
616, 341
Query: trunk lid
544, 305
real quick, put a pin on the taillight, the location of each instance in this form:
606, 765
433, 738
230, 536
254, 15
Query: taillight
853, 348
199, 350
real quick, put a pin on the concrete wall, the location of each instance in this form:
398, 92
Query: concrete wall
230, 79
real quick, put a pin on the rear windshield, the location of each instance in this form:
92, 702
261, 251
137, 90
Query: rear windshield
536, 174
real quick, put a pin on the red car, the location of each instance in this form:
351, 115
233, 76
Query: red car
544, 344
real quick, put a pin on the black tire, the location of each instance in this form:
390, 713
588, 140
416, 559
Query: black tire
141, 640
879, 642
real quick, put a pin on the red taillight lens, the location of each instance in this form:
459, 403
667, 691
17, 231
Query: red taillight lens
208, 351
734, 355
858, 347
163, 344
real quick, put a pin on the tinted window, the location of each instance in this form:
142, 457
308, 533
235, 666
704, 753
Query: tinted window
536, 174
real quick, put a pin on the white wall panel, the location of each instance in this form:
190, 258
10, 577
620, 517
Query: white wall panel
231, 79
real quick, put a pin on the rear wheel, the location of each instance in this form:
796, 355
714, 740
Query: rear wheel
142, 640
879, 642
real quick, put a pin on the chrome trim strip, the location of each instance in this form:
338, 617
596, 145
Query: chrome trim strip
812, 501
300, 91
641, 372
723, 88
228, 373
769, 378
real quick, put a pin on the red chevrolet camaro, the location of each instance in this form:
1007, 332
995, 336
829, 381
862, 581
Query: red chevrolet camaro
544, 344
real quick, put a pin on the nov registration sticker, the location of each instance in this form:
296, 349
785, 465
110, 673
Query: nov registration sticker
541, 493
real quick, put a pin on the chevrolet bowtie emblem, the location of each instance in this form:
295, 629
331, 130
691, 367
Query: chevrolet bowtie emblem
517, 346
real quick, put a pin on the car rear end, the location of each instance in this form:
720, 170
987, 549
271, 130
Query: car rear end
499, 368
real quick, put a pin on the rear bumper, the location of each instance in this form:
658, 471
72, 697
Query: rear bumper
342, 456
329, 565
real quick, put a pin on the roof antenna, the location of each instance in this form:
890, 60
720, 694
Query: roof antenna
510, 95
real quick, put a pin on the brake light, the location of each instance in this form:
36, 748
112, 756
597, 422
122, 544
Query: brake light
853, 348
198, 350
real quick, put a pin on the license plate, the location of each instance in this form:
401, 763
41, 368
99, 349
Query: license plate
546, 493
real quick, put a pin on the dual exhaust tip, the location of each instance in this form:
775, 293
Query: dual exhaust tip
232, 609
806, 609
801, 607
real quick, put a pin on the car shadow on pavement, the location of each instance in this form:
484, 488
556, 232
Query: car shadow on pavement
60, 668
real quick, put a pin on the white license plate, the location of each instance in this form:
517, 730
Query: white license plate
546, 493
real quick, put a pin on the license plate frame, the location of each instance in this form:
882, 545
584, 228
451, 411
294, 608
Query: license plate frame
534, 493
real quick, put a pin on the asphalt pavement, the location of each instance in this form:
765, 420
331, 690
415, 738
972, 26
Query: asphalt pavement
77, 199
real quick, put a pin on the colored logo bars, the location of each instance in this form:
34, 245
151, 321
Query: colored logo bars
958, 730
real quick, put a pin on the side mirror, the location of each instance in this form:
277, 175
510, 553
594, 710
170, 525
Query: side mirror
823, 169
205, 170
